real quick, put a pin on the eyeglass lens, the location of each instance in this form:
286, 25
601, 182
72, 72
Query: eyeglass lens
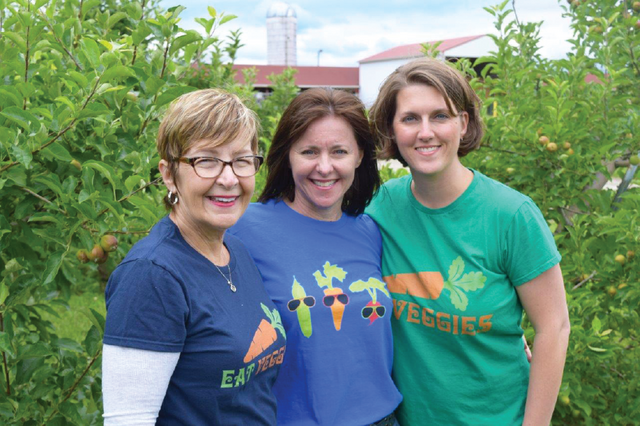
212, 167
330, 299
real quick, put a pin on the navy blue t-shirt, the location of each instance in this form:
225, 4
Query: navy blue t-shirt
167, 297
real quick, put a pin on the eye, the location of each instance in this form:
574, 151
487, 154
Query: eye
441, 116
308, 151
408, 119
207, 162
341, 151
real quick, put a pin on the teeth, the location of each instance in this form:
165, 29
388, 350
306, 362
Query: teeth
428, 149
324, 183
223, 199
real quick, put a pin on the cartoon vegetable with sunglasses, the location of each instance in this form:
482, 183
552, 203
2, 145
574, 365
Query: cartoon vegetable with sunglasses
301, 303
374, 309
334, 297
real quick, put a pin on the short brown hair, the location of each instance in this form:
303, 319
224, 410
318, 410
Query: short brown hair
210, 114
306, 108
453, 87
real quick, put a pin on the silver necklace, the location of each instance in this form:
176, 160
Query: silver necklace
229, 280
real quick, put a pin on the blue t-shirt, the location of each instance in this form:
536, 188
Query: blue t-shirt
324, 278
167, 297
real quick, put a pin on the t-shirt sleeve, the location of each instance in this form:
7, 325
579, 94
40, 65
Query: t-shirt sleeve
529, 248
146, 308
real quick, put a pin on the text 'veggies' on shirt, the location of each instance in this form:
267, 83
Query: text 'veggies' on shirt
165, 296
452, 274
324, 278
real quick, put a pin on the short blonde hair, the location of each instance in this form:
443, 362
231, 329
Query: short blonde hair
211, 114
453, 87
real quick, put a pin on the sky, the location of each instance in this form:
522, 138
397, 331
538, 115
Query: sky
350, 30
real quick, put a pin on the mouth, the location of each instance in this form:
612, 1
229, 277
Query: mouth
324, 183
428, 149
223, 201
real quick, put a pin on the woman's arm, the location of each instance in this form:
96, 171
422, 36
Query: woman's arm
544, 301
134, 383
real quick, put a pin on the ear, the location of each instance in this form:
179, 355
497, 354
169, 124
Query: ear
167, 177
464, 121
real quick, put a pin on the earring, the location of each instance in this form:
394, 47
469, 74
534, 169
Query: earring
173, 198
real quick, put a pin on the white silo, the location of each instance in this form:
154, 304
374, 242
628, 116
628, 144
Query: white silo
281, 34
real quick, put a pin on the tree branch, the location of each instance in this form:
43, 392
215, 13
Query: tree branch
593, 274
75, 61
4, 359
62, 132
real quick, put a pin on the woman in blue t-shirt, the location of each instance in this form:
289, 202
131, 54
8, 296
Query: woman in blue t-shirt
463, 255
191, 336
319, 257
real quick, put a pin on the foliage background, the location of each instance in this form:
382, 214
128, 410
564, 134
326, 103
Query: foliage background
85, 82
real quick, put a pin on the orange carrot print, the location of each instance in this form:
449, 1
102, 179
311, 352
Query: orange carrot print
334, 297
265, 334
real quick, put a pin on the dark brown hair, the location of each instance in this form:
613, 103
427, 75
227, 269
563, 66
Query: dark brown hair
307, 107
453, 87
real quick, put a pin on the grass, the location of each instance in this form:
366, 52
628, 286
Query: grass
73, 323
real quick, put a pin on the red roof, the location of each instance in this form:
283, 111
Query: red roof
415, 50
338, 77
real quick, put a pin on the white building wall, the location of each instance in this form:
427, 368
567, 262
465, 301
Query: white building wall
474, 49
372, 75
281, 41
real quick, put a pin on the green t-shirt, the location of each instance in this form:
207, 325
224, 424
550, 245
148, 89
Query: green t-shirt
452, 272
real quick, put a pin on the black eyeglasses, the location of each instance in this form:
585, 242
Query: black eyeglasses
294, 304
211, 167
367, 311
330, 299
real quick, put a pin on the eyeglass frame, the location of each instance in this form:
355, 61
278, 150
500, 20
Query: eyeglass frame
192, 162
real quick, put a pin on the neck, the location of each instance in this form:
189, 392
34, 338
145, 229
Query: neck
327, 215
438, 191
206, 241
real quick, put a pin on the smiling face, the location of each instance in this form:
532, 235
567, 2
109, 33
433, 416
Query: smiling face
426, 132
323, 164
209, 206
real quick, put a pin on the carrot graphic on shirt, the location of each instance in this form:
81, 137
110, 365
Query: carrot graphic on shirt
373, 309
265, 334
459, 284
334, 297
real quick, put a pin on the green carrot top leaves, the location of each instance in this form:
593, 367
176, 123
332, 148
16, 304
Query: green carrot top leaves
458, 284
330, 272
274, 319
371, 285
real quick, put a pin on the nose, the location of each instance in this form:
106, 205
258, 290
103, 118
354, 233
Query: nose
227, 178
425, 132
324, 166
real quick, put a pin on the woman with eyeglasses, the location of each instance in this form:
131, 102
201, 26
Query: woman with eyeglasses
191, 336
319, 257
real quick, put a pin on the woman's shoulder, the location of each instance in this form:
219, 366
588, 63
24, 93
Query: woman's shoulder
500, 196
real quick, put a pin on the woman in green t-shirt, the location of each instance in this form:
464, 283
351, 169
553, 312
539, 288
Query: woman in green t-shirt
462, 255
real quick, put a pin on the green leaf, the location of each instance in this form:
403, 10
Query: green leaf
132, 181
212, 11
68, 345
17, 39
599, 350
59, 152
22, 155
596, 324
115, 18
172, 93
456, 269
24, 119
182, 41
118, 72
153, 84
458, 299
91, 51
53, 265
105, 170
37, 350
4, 292
471, 281
227, 18
93, 341
5, 344
64, 100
